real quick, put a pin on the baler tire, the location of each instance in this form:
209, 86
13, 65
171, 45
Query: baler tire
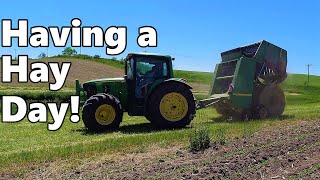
261, 112
246, 115
273, 99
102, 112
163, 98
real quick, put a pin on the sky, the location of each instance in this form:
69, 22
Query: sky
194, 32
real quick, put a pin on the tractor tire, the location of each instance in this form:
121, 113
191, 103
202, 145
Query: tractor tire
102, 112
171, 105
271, 101
147, 116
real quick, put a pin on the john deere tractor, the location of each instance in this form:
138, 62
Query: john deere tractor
245, 85
147, 89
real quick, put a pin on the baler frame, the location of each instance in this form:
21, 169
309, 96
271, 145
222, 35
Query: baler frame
238, 92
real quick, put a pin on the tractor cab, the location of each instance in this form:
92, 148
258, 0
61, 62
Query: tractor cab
142, 72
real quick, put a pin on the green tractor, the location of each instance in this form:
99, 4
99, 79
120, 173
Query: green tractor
245, 85
147, 89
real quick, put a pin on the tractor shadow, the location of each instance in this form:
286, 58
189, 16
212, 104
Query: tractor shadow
149, 128
128, 129
138, 128
222, 119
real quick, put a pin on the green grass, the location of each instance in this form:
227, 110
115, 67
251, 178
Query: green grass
306, 172
199, 139
38, 92
193, 76
26, 142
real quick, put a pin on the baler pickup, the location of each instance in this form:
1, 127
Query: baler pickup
204, 103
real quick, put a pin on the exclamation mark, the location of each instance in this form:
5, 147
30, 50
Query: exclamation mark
75, 101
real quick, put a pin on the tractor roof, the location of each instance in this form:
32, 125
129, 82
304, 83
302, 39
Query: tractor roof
261, 51
250, 45
149, 54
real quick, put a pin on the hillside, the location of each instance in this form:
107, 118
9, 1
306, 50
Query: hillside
87, 69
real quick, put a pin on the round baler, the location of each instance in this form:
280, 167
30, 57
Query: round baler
246, 82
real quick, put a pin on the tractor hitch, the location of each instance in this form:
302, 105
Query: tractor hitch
204, 103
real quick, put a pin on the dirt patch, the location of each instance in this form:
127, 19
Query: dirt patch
274, 153
200, 88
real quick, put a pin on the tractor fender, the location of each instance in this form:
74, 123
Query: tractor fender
161, 82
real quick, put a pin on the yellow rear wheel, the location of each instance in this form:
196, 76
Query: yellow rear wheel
173, 106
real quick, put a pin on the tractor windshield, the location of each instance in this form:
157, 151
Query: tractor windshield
148, 69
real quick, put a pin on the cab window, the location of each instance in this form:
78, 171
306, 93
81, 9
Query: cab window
151, 67
148, 69
130, 69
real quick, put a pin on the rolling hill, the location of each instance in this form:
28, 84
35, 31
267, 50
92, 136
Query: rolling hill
88, 69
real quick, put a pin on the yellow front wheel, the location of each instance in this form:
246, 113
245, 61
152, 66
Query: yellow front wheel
105, 114
102, 112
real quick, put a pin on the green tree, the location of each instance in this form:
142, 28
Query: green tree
96, 56
69, 51
42, 55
